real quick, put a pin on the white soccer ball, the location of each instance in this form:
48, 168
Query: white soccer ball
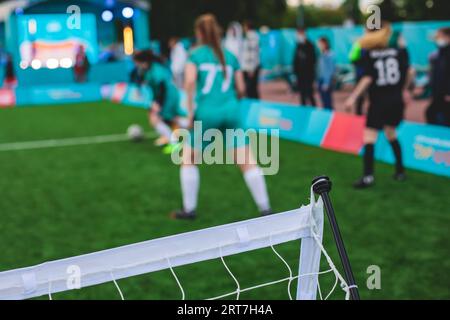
135, 132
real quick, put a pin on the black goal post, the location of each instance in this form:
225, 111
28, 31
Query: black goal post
322, 186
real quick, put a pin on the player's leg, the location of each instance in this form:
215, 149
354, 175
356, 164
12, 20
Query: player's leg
254, 178
302, 91
393, 119
158, 124
360, 105
190, 185
368, 179
171, 114
447, 113
376, 120
431, 114
311, 93
391, 135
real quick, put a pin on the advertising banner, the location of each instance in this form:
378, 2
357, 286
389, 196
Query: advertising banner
425, 147
48, 40
48, 95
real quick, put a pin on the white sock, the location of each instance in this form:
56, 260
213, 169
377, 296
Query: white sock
183, 123
190, 184
164, 130
257, 185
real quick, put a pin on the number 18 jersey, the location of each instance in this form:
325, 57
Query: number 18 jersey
388, 69
214, 89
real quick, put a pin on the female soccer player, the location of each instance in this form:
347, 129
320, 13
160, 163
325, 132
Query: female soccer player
214, 77
165, 108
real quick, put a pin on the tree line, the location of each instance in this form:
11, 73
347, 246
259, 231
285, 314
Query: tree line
175, 17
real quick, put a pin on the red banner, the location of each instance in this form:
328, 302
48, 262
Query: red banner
345, 133
7, 98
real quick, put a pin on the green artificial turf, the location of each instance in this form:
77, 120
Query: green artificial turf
60, 202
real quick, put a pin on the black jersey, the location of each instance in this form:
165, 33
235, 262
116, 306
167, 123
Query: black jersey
388, 69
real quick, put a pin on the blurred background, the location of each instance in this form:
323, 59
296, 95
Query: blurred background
72, 183
36, 48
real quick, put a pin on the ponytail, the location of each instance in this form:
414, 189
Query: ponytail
210, 31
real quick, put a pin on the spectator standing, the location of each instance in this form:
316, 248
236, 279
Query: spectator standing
233, 39
326, 73
81, 66
251, 63
10, 75
439, 111
305, 61
178, 59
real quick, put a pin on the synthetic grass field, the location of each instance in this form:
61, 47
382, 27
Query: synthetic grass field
60, 202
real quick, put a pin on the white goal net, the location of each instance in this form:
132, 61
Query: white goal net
305, 224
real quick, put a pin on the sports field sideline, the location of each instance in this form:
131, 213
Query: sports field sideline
87, 197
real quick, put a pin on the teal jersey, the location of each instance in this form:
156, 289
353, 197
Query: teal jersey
157, 77
213, 88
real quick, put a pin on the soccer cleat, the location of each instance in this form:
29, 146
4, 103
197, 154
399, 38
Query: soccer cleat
161, 141
400, 177
171, 148
183, 215
266, 213
364, 182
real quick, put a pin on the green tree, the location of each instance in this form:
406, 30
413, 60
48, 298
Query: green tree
414, 10
315, 17
352, 10
390, 10
176, 18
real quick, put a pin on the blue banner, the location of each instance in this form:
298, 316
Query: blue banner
48, 95
425, 147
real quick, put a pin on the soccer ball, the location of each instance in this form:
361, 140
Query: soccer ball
135, 133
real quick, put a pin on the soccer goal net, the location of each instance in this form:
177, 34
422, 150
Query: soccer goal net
110, 266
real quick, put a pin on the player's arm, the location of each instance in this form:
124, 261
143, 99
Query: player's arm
240, 83
190, 83
361, 87
410, 76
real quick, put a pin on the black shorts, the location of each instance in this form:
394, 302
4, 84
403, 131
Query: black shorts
382, 115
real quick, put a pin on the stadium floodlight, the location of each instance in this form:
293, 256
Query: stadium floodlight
66, 63
32, 26
128, 41
109, 266
52, 63
107, 16
128, 12
36, 64
24, 64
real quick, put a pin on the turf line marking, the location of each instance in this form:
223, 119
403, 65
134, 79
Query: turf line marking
57, 143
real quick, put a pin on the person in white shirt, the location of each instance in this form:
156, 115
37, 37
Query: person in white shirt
233, 39
178, 59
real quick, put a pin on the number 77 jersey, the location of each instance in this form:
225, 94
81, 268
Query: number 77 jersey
215, 84
388, 69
